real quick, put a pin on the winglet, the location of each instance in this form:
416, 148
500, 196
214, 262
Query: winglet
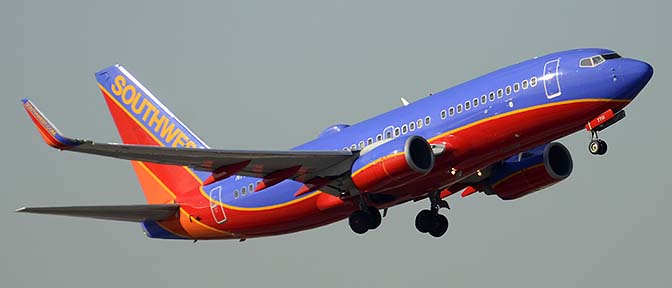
49, 132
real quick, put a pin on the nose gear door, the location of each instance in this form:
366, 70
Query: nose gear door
551, 79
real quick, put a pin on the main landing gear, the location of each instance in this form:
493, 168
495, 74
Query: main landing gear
364, 220
429, 220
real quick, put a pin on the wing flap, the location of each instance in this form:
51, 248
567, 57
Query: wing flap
128, 213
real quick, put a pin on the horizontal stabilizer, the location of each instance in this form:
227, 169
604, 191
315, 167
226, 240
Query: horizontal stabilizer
129, 213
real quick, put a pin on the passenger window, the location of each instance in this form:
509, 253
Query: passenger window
451, 111
379, 137
500, 93
250, 187
404, 129
475, 102
467, 105
427, 120
353, 147
411, 126
508, 90
533, 81
419, 123
459, 108
443, 114
524, 84
236, 194
243, 191
369, 141
396, 132
516, 87
361, 145
491, 96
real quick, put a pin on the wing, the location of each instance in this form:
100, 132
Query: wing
304, 166
128, 213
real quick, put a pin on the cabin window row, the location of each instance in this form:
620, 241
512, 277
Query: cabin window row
245, 190
490, 97
391, 133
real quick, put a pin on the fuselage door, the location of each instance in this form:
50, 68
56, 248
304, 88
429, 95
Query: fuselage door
217, 210
551, 79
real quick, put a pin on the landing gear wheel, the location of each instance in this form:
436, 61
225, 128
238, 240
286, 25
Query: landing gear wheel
374, 217
359, 222
597, 147
440, 226
424, 221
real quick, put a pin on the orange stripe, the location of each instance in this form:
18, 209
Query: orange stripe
500, 116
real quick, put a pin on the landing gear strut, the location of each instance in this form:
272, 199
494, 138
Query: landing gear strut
364, 220
429, 220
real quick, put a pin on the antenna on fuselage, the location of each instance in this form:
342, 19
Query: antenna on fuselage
404, 101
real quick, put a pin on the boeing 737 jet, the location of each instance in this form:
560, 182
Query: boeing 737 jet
493, 134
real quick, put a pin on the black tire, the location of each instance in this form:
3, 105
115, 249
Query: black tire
594, 147
424, 221
602, 147
440, 226
359, 222
375, 219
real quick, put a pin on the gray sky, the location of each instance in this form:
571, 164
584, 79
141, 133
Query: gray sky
270, 75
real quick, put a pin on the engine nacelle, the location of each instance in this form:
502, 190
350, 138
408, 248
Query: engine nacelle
382, 164
529, 171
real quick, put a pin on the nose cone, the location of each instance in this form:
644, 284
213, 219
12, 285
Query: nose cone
641, 71
636, 75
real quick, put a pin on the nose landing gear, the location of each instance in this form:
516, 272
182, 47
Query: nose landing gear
429, 220
597, 146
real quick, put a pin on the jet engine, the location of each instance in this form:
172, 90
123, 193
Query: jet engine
387, 163
529, 172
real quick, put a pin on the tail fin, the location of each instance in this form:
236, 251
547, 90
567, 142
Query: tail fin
142, 119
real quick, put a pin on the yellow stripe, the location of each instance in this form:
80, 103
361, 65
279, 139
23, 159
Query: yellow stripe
500, 116
204, 225
525, 110
156, 178
181, 209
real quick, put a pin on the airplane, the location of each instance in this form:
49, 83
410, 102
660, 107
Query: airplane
493, 134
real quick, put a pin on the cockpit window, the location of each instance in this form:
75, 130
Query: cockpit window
585, 62
597, 59
591, 61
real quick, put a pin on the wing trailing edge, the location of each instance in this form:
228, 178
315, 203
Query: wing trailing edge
127, 213
313, 164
